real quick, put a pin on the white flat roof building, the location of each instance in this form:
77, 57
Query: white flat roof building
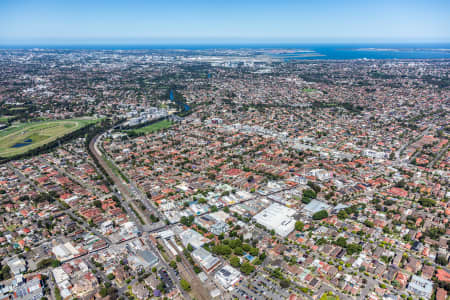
16, 265
192, 237
277, 217
65, 251
60, 275
227, 277
421, 286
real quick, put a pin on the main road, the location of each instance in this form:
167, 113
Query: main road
127, 191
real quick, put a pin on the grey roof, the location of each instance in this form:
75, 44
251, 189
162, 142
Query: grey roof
206, 259
315, 206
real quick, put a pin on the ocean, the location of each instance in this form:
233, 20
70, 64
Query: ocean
296, 51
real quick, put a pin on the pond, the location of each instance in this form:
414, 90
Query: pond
22, 144
172, 98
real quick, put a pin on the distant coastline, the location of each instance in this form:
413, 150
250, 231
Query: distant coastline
284, 51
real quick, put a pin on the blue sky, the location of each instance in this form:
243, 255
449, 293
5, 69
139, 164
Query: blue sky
133, 21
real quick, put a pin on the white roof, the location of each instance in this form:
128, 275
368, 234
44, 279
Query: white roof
71, 248
60, 275
65, 293
227, 276
277, 217
166, 234
215, 293
61, 252
192, 237
205, 258
220, 215
421, 284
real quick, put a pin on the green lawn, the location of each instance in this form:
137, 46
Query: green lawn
34, 134
307, 90
4, 119
329, 296
153, 127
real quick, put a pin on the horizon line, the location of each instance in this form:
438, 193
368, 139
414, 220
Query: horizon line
147, 41
216, 43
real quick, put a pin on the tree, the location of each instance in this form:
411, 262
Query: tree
342, 215
320, 215
98, 203
426, 202
103, 292
221, 249
309, 194
353, 248
299, 225
161, 287
185, 285
314, 186
247, 268
190, 248
57, 294
238, 251
254, 251
434, 232
262, 256
110, 276
306, 200
285, 283
235, 262
5, 273
235, 243
442, 260
341, 242
55, 263
187, 221
369, 223
47, 263
173, 264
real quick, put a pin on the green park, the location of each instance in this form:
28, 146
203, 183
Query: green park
22, 137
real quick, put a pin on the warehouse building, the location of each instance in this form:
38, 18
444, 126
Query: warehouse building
277, 217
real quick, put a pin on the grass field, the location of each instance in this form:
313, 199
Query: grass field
4, 119
153, 127
22, 137
329, 296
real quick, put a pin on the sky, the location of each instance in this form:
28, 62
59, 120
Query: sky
225, 21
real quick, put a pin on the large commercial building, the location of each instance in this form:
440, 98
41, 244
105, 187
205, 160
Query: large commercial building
277, 217
192, 237
64, 252
143, 260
